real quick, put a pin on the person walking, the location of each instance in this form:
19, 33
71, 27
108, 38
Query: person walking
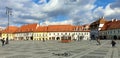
7, 41
98, 41
3, 42
113, 43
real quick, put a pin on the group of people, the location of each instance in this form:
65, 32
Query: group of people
113, 43
3, 41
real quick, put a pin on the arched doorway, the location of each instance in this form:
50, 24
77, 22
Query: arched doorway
43, 39
115, 37
31, 37
50, 38
58, 38
69, 37
104, 37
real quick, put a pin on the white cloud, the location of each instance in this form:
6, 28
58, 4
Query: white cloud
56, 23
77, 11
108, 12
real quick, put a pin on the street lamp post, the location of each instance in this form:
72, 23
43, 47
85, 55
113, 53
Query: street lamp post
8, 13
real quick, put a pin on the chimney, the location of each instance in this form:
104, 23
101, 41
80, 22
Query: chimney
114, 19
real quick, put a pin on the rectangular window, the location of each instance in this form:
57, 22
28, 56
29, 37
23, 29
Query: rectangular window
69, 33
81, 33
65, 33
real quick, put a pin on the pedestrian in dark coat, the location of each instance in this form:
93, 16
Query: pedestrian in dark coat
98, 41
113, 43
7, 41
43, 40
3, 42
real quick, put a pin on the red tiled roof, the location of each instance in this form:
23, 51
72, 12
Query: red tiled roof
111, 25
28, 28
114, 25
105, 26
60, 28
10, 29
41, 29
50, 28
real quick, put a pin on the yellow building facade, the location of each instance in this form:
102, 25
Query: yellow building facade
9, 32
40, 36
10, 36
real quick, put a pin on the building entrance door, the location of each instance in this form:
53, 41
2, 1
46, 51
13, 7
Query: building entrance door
58, 38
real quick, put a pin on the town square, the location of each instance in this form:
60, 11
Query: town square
56, 49
59, 29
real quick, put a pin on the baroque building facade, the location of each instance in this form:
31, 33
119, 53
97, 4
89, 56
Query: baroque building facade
105, 29
50, 32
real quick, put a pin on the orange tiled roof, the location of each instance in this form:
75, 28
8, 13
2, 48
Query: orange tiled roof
60, 28
114, 25
41, 29
111, 25
105, 26
28, 28
50, 28
10, 29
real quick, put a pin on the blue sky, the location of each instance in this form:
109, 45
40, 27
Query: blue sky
103, 3
37, 1
48, 12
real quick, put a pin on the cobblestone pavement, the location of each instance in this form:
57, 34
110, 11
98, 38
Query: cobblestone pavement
56, 49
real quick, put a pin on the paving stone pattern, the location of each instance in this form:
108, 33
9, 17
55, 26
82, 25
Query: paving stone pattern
56, 49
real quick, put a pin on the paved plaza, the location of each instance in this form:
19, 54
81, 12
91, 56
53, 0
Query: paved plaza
56, 49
